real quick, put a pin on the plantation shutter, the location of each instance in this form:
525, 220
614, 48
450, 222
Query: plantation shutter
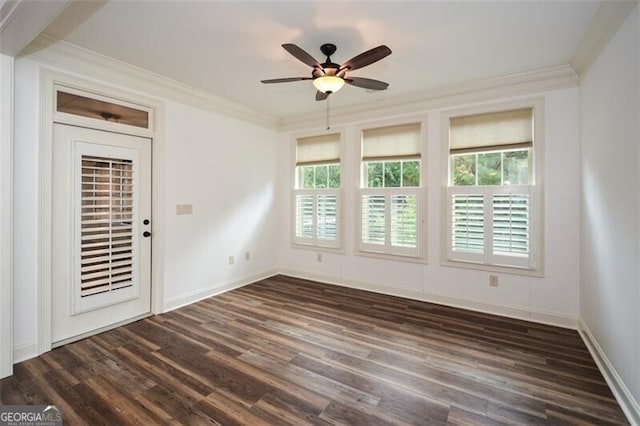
467, 223
106, 225
304, 216
514, 226
320, 149
327, 216
317, 217
374, 219
492, 224
496, 130
511, 224
403, 218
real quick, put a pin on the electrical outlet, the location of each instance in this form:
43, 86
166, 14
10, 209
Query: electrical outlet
232, 260
319, 257
247, 255
493, 280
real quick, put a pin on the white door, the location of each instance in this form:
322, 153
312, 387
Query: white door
101, 245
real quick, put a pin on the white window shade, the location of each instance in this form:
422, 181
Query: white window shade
401, 141
318, 149
499, 130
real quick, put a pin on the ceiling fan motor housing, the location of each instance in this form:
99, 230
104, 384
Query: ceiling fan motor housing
328, 49
328, 67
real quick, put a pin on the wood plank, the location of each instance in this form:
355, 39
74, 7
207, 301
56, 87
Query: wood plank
311, 401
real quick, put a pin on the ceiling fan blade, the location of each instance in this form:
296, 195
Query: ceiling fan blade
321, 96
367, 83
301, 55
366, 58
285, 80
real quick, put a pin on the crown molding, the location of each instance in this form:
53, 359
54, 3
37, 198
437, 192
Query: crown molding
605, 23
8, 12
71, 58
477, 91
22, 20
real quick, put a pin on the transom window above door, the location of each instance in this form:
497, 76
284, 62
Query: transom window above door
88, 105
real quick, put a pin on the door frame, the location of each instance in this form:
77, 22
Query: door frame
50, 80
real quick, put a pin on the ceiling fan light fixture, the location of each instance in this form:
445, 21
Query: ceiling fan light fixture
328, 83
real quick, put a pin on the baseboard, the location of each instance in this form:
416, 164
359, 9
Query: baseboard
25, 351
627, 402
511, 311
218, 288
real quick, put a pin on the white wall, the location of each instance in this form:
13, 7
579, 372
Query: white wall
552, 298
6, 200
227, 169
224, 167
610, 231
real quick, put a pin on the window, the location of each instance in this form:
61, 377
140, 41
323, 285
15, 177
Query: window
390, 194
491, 196
76, 104
316, 196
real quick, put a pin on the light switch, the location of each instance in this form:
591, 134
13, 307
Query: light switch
184, 209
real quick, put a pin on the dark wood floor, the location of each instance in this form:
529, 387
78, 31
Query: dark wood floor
289, 351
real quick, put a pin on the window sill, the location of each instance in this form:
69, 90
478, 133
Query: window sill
513, 270
312, 247
392, 257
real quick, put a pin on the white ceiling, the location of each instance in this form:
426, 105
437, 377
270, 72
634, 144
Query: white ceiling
226, 47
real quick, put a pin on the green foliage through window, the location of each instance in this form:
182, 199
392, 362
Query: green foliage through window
319, 176
491, 168
392, 174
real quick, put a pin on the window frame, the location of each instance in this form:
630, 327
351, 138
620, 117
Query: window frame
489, 261
391, 252
316, 243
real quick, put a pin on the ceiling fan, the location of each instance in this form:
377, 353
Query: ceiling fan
329, 77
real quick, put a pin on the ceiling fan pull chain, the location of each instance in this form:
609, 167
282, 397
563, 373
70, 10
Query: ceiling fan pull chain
328, 122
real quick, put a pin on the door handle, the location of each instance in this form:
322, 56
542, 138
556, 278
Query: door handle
146, 234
